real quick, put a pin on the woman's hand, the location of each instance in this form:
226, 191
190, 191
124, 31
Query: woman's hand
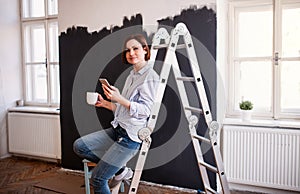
100, 102
105, 104
112, 93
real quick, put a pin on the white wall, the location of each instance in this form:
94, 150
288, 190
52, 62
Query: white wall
10, 64
96, 14
222, 62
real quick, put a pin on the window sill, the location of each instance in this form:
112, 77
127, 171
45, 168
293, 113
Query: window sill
295, 124
35, 109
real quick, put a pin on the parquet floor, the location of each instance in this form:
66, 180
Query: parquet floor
21, 175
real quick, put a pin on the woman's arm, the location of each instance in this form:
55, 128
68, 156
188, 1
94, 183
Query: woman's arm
141, 105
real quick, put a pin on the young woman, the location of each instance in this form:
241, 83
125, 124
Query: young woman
112, 148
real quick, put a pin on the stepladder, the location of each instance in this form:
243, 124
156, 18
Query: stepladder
162, 39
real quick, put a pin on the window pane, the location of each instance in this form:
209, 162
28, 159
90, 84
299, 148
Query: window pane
33, 8
290, 86
52, 7
254, 83
54, 81
254, 31
34, 40
36, 82
291, 31
53, 41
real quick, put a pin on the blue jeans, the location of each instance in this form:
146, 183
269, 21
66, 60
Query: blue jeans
111, 149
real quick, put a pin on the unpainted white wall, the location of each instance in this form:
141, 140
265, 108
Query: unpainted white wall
96, 14
10, 65
222, 59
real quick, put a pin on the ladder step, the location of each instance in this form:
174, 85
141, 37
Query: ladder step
210, 167
201, 138
211, 190
193, 109
190, 79
179, 46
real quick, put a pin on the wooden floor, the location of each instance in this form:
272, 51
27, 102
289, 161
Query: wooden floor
21, 175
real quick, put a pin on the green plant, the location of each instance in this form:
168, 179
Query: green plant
246, 105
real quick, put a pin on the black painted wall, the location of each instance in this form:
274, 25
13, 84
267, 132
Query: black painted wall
83, 59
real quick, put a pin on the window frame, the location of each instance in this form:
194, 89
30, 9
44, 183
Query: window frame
276, 112
45, 20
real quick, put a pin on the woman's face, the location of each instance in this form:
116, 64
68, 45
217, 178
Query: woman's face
135, 53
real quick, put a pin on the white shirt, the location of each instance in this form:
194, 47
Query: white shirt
140, 88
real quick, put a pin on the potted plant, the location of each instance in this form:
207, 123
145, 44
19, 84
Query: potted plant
246, 107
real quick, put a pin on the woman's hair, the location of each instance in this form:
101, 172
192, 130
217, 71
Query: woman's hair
141, 39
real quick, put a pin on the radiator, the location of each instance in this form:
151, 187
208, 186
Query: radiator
34, 134
268, 157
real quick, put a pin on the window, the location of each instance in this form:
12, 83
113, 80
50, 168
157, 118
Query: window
40, 51
264, 57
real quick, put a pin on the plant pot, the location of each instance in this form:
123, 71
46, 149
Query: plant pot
246, 115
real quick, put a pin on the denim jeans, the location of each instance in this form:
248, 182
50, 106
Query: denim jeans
111, 149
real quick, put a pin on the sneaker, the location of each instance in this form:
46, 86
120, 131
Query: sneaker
125, 175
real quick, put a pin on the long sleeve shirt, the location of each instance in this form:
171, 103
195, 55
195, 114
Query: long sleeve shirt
140, 89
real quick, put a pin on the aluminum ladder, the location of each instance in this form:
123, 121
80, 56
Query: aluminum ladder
170, 61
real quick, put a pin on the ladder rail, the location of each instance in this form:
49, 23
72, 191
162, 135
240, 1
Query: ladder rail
166, 68
190, 117
139, 166
220, 166
183, 31
206, 111
198, 152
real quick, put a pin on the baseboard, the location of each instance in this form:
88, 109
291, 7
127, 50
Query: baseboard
258, 189
5, 156
58, 161
180, 189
